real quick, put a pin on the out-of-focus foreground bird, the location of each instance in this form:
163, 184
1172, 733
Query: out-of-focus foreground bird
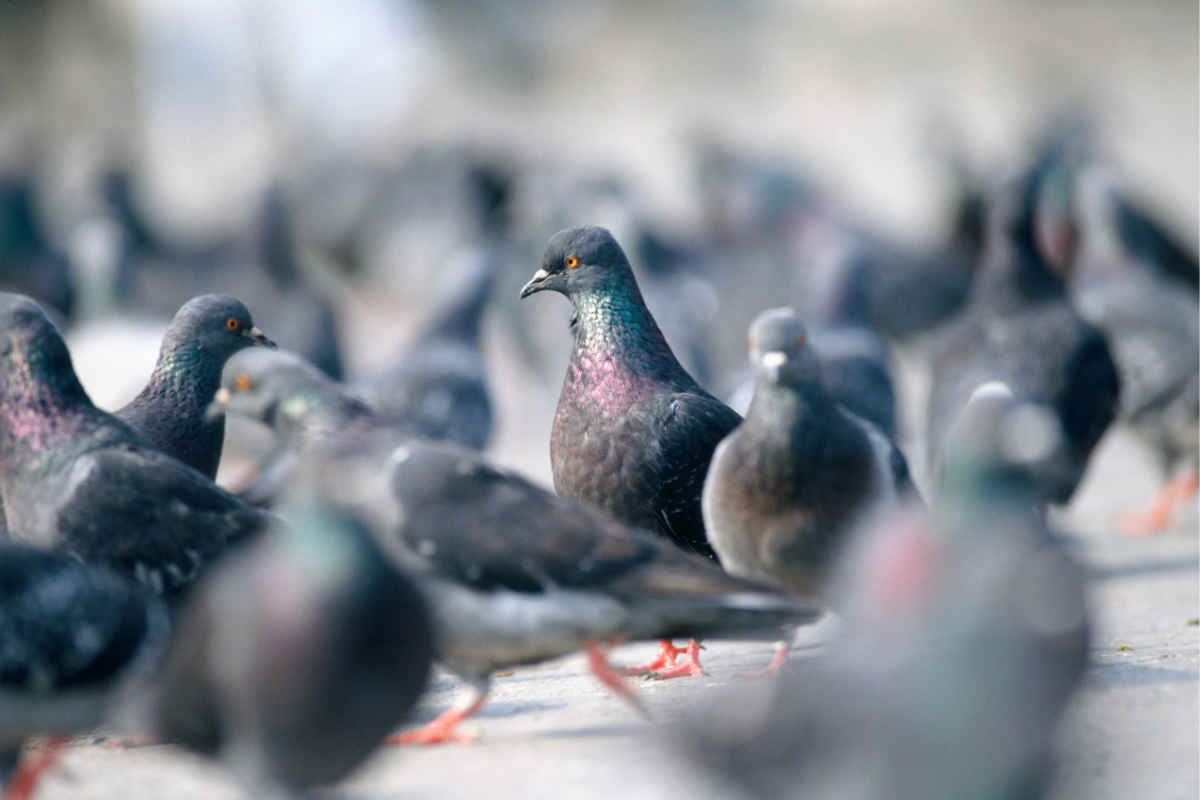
74, 640
295, 657
964, 634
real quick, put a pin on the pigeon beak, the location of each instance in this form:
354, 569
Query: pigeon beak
260, 339
221, 399
772, 363
537, 283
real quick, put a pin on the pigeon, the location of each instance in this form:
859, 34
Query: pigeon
1019, 328
79, 480
964, 634
438, 388
633, 433
515, 573
262, 265
74, 640
295, 657
1152, 322
29, 261
170, 411
788, 486
855, 368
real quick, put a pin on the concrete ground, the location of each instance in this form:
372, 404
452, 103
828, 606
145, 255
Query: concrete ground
552, 731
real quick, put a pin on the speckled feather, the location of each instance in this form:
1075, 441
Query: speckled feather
633, 433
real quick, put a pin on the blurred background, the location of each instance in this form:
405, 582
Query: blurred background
335, 163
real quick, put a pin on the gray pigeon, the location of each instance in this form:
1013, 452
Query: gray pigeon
73, 640
1152, 322
79, 480
790, 483
295, 657
515, 574
1019, 328
633, 432
170, 411
438, 388
964, 635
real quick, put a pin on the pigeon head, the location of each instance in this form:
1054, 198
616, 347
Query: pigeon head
581, 260
995, 441
31, 348
274, 387
214, 324
779, 349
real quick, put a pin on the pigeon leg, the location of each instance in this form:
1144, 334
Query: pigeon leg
667, 653
441, 729
597, 661
778, 662
31, 767
1155, 515
690, 665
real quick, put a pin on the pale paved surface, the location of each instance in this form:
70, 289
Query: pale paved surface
553, 731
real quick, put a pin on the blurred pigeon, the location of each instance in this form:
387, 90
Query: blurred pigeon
788, 486
294, 658
855, 367
170, 411
77, 479
633, 433
1152, 322
438, 388
73, 640
800, 472
262, 266
515, 574
1019, 328
964, 634
29, 262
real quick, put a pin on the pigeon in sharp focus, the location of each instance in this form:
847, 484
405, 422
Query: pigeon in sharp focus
1152, 321
296, 656
438, 389
72, 639
1018, 328
170, 411
789, 485
77, 479
964, 634
633, 433
515, 574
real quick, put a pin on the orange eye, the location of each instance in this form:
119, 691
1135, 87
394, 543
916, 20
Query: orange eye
232, 323
571, 261
800, 340
242, 382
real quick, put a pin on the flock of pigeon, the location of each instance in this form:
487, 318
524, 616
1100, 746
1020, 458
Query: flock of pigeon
289, 629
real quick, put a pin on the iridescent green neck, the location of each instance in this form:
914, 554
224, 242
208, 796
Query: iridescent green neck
613, 327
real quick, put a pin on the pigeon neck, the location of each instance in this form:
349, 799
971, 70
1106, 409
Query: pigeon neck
779, 410
35, 415
614, 328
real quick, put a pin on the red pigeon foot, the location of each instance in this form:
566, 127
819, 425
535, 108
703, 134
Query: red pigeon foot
597, 661
33, 764
1155, 515
690, 665
778, 662
441, 729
